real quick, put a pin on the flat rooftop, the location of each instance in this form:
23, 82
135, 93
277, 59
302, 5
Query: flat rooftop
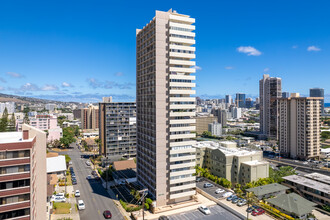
255, 162
227, 151
304, 181
12, 137
319, 177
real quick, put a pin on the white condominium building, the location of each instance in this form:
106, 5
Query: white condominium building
165, 110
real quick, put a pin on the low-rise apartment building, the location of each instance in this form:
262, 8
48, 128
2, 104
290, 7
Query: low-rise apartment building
44, 122
314, 187
238, 165
23, 177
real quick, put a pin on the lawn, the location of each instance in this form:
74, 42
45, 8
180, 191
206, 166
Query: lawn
61, 207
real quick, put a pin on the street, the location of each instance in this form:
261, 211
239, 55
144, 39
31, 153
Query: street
298, 165
95, 197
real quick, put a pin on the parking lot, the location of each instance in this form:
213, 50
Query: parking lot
211, 190
217, 212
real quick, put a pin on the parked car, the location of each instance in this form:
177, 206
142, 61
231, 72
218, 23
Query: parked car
207, 185
258, 212
89, 177
77, 193
204, 209
163, 217
219, 191
74, 182
107, 214
70, 163
227, 194
250, 209
199, 179
73, 175
81, 205
88, 163
235, 200
93, 172
231, 197
242, 203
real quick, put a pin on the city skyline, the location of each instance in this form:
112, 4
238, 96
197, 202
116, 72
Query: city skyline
73, 54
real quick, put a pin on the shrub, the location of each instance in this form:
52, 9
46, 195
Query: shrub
146, 205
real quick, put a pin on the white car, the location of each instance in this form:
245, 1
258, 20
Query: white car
89, 177
81, 205
88, 163
59, 199
305, 162
227, 194
77, 193
219, 191
204, 209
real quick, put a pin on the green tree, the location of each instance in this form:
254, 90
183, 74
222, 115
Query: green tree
250, 200
206, 134
238, 190
11, 126
68, 137
26, 119
4, 121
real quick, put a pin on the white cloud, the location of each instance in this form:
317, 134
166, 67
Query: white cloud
250, 51
15, 75
119, 74
29, 87
313, 48
294, 47
229, 67
266, 69
49, 88
65, 84
197, 68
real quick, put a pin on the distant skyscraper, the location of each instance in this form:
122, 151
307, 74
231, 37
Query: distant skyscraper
248, 102
215, 128
240, 100
229, 99
165, 127
270, 89
90, 117
285, 94
117, 130
318, 92
299, 126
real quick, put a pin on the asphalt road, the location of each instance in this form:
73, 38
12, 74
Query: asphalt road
217, 212
95, 197
299, 166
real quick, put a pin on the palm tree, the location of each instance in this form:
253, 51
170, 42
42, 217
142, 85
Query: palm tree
238, 190
250, 200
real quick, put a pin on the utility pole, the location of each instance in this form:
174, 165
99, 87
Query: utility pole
144, 193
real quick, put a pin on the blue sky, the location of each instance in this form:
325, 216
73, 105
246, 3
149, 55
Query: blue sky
83, 50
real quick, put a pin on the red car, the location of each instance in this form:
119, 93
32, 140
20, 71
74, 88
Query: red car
258, 212
107, 214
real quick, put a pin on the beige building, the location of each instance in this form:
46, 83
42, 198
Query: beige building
203, 121
23, 175
299, 126
237, 165
90, 117
165, 127
270, 89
